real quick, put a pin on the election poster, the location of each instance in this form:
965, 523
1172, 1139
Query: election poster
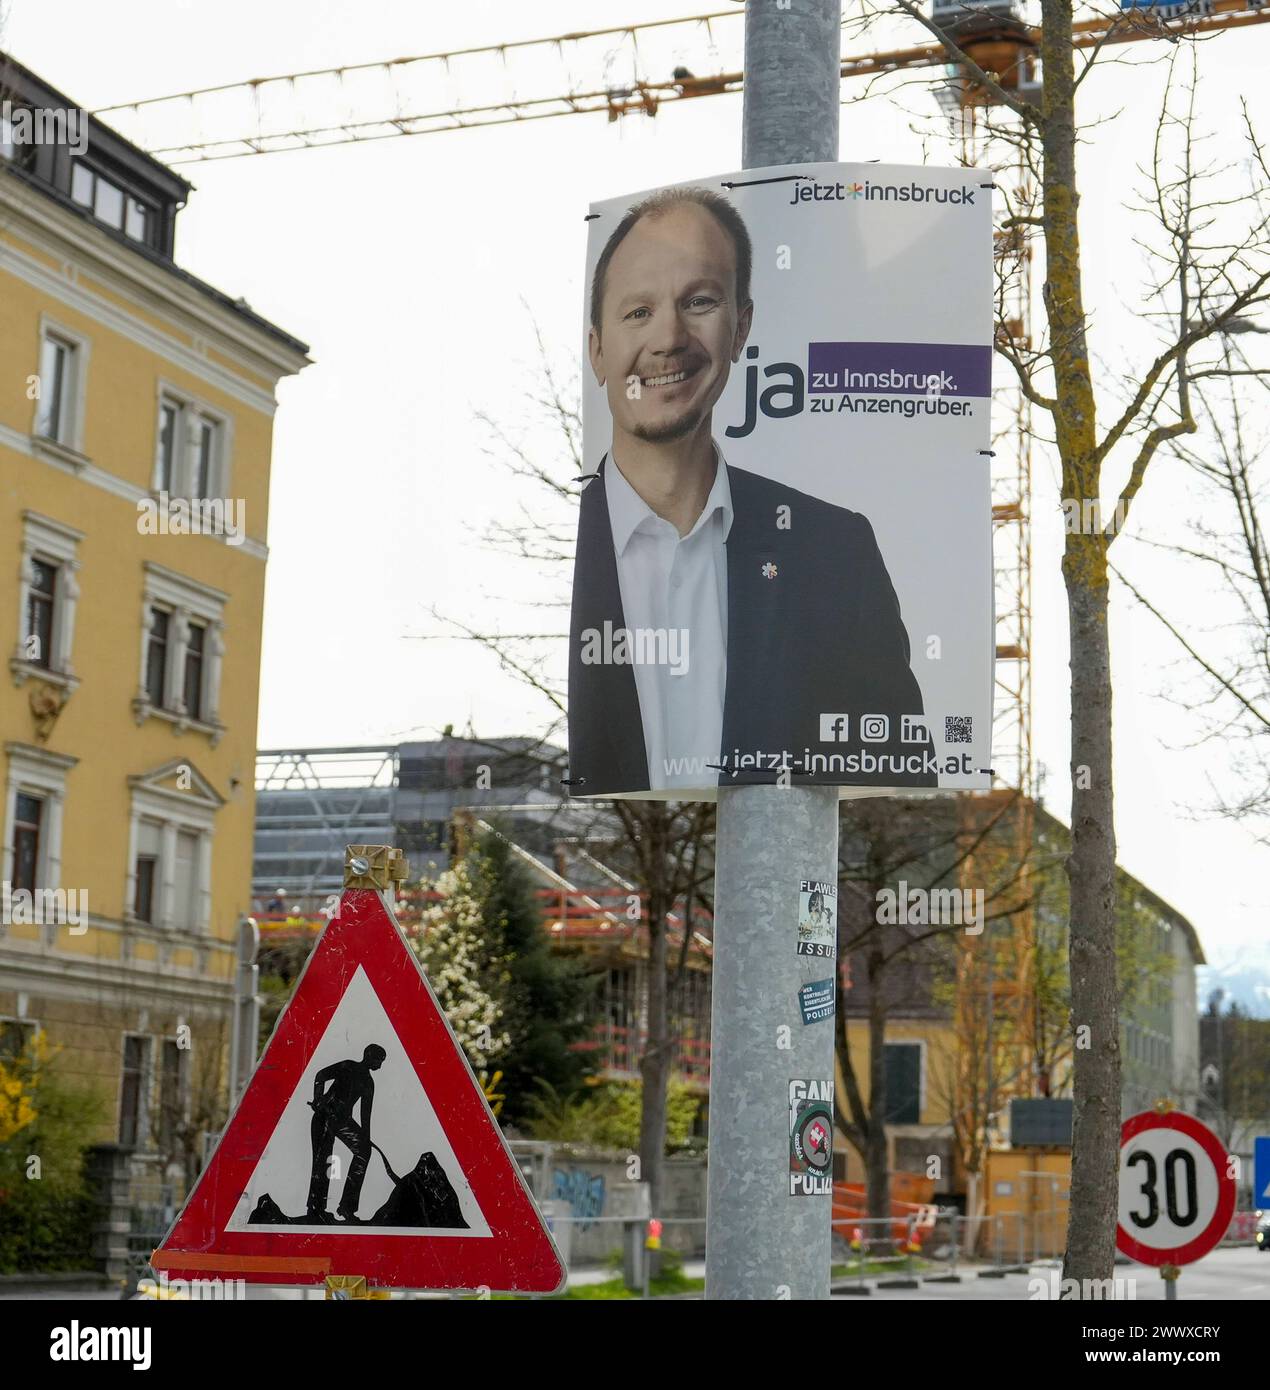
783, 570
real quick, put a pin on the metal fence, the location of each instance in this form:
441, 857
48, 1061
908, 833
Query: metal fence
943, 1246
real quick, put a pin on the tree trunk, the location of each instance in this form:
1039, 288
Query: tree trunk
654, 1065
1091, 1232
1091, 866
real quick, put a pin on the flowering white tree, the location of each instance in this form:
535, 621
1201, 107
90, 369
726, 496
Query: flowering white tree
460, 950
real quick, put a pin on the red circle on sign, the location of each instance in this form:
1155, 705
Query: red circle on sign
1212, 1146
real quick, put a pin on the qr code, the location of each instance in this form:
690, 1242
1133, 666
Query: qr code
958, 728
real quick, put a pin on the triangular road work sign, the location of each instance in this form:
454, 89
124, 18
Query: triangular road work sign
363, 1144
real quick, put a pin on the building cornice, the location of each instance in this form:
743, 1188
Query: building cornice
111, 483
154, 284
45, 757
108, 983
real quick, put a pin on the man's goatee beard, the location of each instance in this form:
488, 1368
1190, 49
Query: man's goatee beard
663, 434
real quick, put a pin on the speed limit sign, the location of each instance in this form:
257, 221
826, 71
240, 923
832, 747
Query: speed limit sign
1177, 1193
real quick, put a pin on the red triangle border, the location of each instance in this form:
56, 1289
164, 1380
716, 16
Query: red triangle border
518, 1256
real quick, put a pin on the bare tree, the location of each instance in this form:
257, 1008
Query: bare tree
1231, 657
669, 847
893, 847
1212, 262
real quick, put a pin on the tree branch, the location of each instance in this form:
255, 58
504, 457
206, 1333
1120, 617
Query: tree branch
1190, 650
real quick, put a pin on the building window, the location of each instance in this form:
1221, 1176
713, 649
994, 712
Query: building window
185, 880
190, 449
137, 224
16, 1036
108, 203
147, 871
157, 658
169, 883
41, 601
82, 180
182, 650
35, 792
903, 1062
195, 646
19, 152
132, 1093
28, 817
169, 427
147, 865
62, 366
160, 650
47, 599
205, 444
171, 1096
57, 368
112, 204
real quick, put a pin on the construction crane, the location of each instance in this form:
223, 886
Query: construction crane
988, 33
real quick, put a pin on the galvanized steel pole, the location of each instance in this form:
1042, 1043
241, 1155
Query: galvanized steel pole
761, 1241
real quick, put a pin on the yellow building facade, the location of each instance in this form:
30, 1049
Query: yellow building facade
925, 1054
136, 417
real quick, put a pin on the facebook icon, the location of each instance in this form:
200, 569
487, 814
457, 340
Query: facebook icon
834, 728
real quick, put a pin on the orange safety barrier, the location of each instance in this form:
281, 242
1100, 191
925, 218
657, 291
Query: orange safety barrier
850, 1203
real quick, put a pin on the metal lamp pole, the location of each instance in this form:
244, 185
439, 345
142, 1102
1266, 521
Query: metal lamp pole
761, 1241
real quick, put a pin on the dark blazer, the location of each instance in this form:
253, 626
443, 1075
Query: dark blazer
821, 635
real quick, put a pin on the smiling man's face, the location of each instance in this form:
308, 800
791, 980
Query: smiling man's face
671, 320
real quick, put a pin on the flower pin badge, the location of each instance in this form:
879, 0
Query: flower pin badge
769, 571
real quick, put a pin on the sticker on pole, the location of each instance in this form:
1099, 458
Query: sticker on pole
1177, 1194
816, 1000
817, 931
810, 1138
363, 1144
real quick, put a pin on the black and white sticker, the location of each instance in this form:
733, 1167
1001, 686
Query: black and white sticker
817, 918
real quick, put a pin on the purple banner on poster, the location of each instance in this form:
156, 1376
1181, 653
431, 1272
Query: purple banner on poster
899, 369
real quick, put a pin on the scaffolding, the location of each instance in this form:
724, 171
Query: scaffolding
995, 994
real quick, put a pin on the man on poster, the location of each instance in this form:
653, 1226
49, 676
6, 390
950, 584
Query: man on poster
718, 615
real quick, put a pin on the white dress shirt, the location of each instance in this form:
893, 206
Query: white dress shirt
676, 585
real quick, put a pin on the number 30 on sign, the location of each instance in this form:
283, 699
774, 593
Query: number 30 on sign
1177, 1194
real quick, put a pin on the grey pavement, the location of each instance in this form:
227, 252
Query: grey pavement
1236, 1272
1239, 1273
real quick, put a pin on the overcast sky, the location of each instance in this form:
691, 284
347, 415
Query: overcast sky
417, 268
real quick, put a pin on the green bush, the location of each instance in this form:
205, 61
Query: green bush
44, 1229
46, 1221
607, 1116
